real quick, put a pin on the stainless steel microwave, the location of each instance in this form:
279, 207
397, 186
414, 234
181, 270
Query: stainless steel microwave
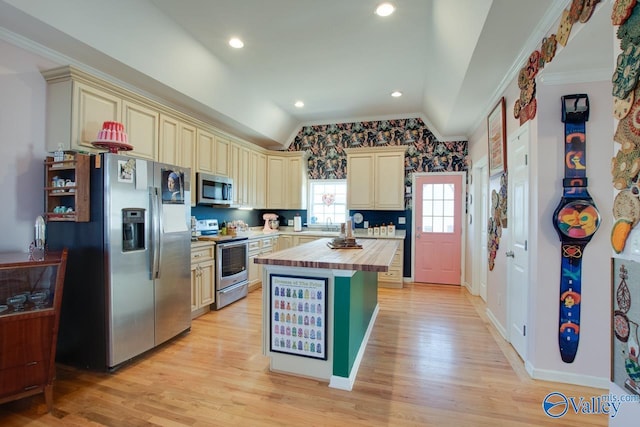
214, 190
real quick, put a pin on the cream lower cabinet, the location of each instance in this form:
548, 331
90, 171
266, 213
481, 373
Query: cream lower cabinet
259, 246
375, 178
393, 277
300, 240
285, 242
202, 279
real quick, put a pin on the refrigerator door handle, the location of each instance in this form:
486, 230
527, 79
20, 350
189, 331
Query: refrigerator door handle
155, 233
160, 231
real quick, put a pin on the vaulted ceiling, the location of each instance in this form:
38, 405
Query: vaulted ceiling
449, 58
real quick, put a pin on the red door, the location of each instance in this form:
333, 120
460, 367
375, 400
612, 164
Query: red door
438, 232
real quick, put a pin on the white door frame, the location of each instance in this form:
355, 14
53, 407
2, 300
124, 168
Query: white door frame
463, 219
480, 212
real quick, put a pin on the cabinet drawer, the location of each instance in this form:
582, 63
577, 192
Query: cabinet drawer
202, 253
21, 341
393, 274
267, 243
254, 246
22, 378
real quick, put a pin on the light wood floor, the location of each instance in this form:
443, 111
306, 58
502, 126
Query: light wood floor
433, 360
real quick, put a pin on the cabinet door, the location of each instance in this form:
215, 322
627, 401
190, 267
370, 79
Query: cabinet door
276, 178
195, 286
141, 124
295, 184
389, 184
285, 242
360, 183
255, 271
301, 240
257, 180
240, 174
205, 151
207, 283
169, 139
94, 107
187, 154
221, 157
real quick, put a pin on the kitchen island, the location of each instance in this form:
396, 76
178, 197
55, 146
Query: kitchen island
319, 307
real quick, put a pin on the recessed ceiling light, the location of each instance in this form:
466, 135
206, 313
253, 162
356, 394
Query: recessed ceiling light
385, 9
299, 104
396, 94
236, 43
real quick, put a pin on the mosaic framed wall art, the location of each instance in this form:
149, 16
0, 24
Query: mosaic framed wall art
625, 368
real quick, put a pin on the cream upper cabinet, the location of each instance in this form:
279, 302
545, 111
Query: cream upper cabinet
141, 124
257, 179
222, 156
360, 181
76, 110
169, 139
78, 104
375, 178
286, 180
205, 150
276, 178
177, 146
240, 174
92, 108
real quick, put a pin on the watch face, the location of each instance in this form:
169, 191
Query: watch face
579, 219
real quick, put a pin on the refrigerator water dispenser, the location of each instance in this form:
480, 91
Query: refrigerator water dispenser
132, 229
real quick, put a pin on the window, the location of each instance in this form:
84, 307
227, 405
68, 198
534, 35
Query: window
327, 202
437, 208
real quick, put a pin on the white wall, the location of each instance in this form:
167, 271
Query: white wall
592, 362
22, 152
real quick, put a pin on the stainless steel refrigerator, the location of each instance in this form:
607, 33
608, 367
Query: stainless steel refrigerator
128, 281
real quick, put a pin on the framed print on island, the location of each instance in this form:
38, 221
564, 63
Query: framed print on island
299, 315
497, 131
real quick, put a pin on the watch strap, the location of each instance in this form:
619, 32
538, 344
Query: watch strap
570, 298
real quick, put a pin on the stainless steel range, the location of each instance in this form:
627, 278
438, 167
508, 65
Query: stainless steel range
232, 260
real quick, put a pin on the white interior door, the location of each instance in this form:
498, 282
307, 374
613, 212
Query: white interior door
480, 220
518, 220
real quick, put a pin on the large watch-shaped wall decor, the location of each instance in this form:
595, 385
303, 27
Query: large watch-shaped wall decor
576, 220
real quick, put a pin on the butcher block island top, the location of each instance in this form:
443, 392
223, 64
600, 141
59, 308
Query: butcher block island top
375, 255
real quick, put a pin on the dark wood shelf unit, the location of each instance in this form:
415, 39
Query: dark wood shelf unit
75, 196
28, 338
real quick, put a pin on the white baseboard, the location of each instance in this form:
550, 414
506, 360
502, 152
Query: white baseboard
567, 377
346, 383
496, 324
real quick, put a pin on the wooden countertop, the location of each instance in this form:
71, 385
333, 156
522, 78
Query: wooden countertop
375, 255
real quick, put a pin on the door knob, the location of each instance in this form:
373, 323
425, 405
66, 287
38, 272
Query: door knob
511, 254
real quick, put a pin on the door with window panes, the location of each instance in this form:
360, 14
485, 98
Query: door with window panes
438, 228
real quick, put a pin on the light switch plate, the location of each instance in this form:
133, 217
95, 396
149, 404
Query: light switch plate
290, 222
402, 220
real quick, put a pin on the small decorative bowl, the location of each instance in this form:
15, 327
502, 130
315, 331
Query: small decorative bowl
17, 301
38, 299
